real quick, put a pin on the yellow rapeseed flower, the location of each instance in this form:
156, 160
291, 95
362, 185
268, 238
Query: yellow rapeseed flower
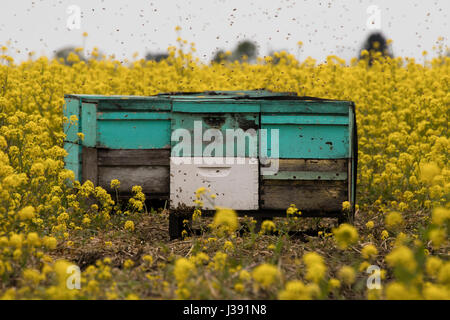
369, 251
50, 242
115, 184
440, 215
27, 213
398, 291
433, 266
265, 275
294, 290
370, 224
183, 269
225, 221
347, 275
345, 235
129, 225
267, 226
402, 257
428, 171
15, 240
393, 220
315, 266
33, 239
346, 206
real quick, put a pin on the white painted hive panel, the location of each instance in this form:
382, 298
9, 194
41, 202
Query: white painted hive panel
234, 181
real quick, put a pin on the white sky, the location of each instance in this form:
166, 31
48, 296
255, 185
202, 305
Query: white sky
123, 27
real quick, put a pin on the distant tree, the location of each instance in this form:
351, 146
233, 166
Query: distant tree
245, 50
275, 54
65, 52
219, 56
376, 42
156, 56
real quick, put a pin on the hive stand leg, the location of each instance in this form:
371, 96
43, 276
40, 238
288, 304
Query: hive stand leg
176, 225
342, 219
346, 218
259, 221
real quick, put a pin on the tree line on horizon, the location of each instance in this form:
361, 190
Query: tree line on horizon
245, 50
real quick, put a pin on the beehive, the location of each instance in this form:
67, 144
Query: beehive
310, 142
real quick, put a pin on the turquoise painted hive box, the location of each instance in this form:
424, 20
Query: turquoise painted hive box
125, 138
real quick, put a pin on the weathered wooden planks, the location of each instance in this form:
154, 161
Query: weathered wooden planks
307, 175
146, 168
305, 106
137, 104
307, 192
89, 167
133, 157
225, 106
311, 119
326, 196
152, 179
325, 165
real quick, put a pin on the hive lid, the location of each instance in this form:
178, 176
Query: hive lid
216, 94
230, 94
107, 97
257, 94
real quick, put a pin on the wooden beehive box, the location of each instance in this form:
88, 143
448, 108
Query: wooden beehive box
125, 138
130, 139
317, 155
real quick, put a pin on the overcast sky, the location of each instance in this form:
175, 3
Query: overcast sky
122, 27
